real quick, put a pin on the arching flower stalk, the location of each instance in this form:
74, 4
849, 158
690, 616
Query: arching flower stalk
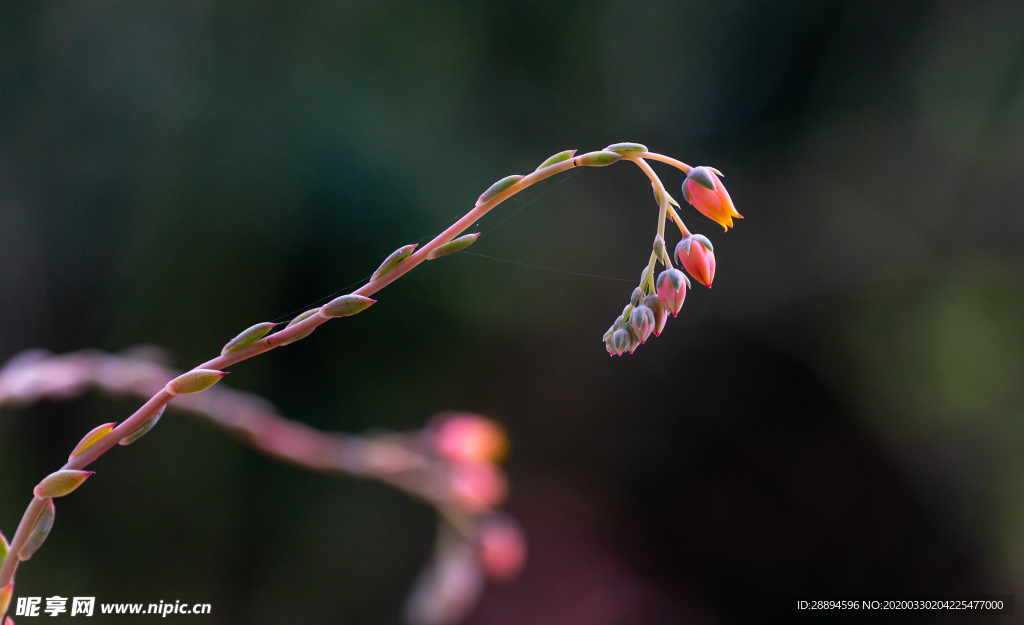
471, 484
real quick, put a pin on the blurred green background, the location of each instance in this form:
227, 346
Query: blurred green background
840, 414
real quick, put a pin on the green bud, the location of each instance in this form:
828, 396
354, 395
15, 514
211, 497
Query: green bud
622, 148
60, 483
659, 246
41, 529
455, 245
393, 261
557, 158
496, 188
90, 439
618, 322
4, 547
626, 312
635, 298
599, 159
143, 429
645, 276
194, 381
248, 337
345, 306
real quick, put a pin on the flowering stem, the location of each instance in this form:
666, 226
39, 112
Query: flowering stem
161, 398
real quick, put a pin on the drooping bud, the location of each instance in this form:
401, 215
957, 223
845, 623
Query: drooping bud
41, 529
194, 381
90, 439
695, 254
634, 338
620, 342
501, 545
671, 287
248, 337
557, 158
60, 483
622, 148
455, 245
5, 597
392, 261
495, 189
598, 159
345, 306
475, 487
706, 193
471, 438
634, 299
660, 318
143, 429
642, 322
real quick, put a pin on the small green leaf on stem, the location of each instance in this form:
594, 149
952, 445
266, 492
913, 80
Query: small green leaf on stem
194, 381
60, 483
345, 306
143, 429
598, 159
496, 188
41, 529
393, 261
248, 337
91, 438
557, 158
455, 245
622, 148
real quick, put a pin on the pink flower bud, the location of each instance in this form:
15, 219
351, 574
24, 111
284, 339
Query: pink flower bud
41, 529
194, 381
471, 438
698, 260
620, 342
501, 546
477, 487
706, 193
671, 286
60, 483
90, 439
642, 322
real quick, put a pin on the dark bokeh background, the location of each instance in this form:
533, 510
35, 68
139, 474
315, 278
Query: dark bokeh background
840, 414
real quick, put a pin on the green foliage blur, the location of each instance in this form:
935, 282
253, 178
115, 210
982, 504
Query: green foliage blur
840, 413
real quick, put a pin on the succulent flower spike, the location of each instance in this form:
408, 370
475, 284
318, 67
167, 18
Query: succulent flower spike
60, 483
671, 286
696, 255
620, 342
706, 193
642, 322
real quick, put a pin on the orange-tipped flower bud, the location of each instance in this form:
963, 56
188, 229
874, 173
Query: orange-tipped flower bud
697, 256
194, 381
90, 439
671, 287
706, 193
620, 342
394, 260
501, 545
495, 189
345, 306
471, 438
477, 487
60, 483
557, 158
5, 597
143, 429
41, 529
642, 322
248, 337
